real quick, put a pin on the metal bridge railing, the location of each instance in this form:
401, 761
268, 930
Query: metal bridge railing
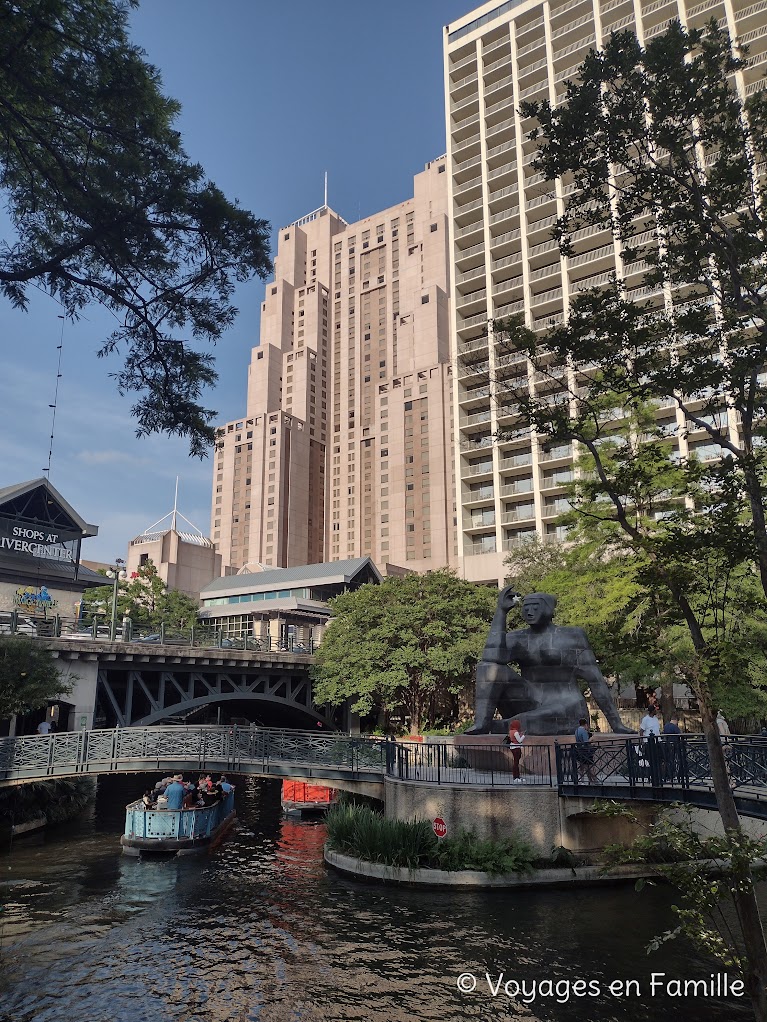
199, 636
232, 749
671, 763
486, 765
631, 767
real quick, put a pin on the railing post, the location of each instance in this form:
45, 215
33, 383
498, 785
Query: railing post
558, 764
653, 761
630, 765
684, 765
439, 764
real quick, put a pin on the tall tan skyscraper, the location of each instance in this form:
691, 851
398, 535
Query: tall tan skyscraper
503, 257
346, 446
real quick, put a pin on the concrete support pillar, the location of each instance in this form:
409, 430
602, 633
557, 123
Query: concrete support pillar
84, 675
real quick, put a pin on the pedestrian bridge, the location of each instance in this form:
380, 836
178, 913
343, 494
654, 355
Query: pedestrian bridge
341, 761
626, 769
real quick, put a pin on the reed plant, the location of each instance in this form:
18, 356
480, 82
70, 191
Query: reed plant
366, 834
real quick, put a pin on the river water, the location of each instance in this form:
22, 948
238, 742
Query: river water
261, 931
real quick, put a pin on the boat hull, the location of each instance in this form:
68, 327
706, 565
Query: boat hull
176, 832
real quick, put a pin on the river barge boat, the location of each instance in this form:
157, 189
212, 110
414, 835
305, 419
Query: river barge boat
176, 831
301, 799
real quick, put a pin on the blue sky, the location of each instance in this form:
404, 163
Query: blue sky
272, 97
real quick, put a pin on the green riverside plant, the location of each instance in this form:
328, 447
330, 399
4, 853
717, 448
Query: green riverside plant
366, 834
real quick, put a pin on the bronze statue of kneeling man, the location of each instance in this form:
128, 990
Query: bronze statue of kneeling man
544, 694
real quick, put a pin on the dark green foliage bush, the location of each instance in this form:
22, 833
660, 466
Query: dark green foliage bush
366, 834
57, 800
467, 851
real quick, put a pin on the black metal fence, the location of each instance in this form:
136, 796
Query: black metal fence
667, 768
661, 767
487, 765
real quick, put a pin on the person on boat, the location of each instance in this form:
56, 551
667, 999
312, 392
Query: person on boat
226, 787
147, 799
175, 792
210, 798
190, 798
159, 788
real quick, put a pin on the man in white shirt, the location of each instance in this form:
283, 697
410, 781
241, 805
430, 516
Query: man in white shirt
43, 728
650, 724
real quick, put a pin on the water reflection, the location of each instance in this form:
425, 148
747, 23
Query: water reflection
260, 931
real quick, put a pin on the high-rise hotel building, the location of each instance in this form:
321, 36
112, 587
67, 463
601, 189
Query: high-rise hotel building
504, 259
345, 449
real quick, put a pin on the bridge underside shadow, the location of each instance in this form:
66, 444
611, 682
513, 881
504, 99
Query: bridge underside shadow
752, 803
150, 694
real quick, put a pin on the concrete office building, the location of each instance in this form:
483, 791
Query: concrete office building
345, 448
504, 259
185, 559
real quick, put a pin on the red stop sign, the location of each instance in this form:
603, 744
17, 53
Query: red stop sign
440, 827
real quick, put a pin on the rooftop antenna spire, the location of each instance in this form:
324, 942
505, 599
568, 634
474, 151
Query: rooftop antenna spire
326, 188
59, 348
175, 507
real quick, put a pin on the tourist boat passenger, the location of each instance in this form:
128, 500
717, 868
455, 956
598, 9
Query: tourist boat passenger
175, 792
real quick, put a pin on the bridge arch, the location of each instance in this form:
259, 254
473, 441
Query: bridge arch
186, 706
135, 694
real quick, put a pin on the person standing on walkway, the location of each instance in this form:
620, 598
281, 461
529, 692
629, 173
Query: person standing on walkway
584, 751
722, 725
672, 750
650, 724
515, 743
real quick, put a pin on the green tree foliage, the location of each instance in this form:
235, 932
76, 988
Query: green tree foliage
57, 800
106, 206
408, 644
29, 677
637, 631
145, 599
654, 143
705, 870
176, 609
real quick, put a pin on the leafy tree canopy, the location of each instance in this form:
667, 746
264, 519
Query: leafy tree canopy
107, 207
654, 144
29, 677
145, 598
408, 643
655, 148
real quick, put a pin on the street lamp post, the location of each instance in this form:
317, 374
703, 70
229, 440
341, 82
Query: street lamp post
117, 573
